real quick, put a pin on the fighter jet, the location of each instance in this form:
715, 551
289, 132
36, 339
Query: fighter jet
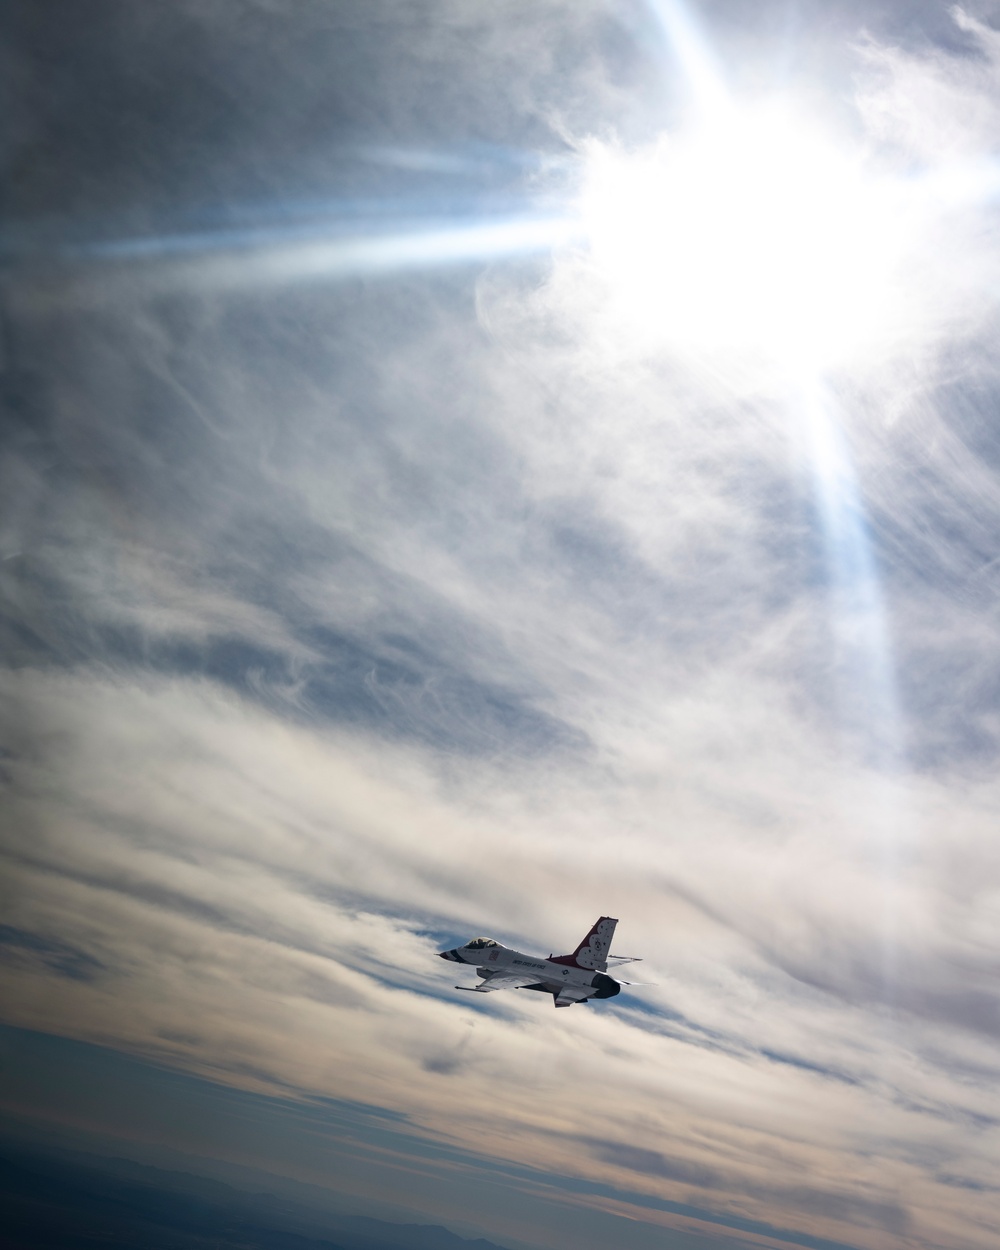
568, 978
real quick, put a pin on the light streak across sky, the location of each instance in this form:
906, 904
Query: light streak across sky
234, 259
692, 53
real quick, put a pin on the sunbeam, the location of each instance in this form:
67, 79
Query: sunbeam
692, 54
280, 256
863, 682
862, 659
263, 257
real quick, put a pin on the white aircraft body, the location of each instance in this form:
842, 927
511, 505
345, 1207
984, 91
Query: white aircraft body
568, 978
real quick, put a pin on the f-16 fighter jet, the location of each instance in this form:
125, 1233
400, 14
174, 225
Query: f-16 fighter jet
568, 978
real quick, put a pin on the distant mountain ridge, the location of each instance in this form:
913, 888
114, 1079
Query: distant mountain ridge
67, 1203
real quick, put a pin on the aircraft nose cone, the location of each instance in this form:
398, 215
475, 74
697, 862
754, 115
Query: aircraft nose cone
448, 955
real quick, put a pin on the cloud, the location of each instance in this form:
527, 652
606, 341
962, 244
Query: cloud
58, 957
653, 1163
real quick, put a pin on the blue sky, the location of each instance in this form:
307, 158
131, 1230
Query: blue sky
474, 471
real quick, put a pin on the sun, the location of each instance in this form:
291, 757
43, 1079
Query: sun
752, 231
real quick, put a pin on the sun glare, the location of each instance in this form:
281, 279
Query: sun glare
751, 232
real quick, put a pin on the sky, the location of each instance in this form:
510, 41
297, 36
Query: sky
473, 468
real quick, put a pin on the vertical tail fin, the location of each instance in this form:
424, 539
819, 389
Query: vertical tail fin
593, 950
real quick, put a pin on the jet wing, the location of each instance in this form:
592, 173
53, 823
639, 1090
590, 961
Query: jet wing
497, 981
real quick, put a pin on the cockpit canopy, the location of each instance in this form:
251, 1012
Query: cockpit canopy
477, 944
